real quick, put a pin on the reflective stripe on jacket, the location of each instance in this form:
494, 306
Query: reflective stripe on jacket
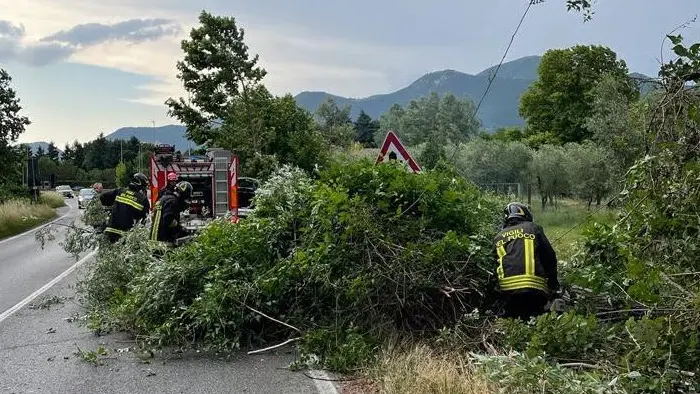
526, 259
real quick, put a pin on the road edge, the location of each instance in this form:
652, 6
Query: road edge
45, 287
324, 384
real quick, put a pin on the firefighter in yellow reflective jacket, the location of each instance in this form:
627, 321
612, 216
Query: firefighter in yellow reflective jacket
166, 225
128, 207
527, 264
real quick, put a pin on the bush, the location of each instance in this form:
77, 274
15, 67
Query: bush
358, 252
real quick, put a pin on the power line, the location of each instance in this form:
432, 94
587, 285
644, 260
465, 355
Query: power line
488, 87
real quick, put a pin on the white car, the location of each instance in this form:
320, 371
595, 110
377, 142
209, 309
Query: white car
84, 196
65, 191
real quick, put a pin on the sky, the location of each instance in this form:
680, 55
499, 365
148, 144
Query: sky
81, 67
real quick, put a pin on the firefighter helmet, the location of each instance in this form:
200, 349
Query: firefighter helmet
184, 190
139, 181
516, 210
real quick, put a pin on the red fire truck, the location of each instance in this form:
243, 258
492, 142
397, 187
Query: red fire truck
218, 191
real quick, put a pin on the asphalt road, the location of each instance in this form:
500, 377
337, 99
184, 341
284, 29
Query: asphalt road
25, 267
39, 342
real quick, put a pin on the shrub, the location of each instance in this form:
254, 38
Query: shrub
358, 252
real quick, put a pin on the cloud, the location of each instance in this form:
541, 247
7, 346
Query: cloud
132, 31
14, 44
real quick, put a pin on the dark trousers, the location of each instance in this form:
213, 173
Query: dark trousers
112, 237
524, 304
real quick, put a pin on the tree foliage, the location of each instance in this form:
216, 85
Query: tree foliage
612, 123
216, 70
335, 123
366, 130
433, 119
342, 257
559, 101
229, 107
12, 124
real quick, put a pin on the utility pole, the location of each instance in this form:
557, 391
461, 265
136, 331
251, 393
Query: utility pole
154, 131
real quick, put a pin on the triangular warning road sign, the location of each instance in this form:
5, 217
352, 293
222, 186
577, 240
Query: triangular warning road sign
392, 149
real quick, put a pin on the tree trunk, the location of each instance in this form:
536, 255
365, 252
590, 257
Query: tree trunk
529, 194
544, 202
590, 201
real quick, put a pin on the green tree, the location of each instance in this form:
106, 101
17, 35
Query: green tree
216, 70
121, 174
391, 120
365, 130
591, 171
52, 152
559, 102
611, 122
432, 119
12, 124
457, 119
40, 152
508, 134
549, 172
335, 123
98, 153
485, 162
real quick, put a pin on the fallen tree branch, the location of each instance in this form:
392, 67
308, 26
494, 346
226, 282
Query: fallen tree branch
273, 319
274, 347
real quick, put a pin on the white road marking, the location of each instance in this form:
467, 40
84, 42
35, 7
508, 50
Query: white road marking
43, 289
323, 384
70, 209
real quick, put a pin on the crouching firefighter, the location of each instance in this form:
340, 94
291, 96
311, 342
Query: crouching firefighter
166, 225
129, 205
527, 264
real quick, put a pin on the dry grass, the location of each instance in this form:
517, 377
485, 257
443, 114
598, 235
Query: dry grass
52, 199
422, 370
20, 215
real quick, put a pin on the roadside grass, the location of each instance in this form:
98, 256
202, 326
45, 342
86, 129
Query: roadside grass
52, 199
420, 369
564, 226
20, 215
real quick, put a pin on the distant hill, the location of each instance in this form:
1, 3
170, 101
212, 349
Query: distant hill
170, 134
499, 109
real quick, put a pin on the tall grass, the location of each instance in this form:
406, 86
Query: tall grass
52, 199
422, 370
20, 215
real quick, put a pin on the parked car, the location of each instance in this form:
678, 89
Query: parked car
65, 191
84, 196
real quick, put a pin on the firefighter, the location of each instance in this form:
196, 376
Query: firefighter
129, 205
170, 186
166, 225
527, 264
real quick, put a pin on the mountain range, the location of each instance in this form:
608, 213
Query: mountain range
498, 109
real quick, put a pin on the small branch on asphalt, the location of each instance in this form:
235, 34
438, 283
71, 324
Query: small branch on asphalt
273, 319
274, 347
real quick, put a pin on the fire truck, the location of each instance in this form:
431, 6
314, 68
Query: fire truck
218, 191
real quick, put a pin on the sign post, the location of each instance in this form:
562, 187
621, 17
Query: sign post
393, 149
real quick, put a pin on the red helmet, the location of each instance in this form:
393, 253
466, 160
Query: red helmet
172, 176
